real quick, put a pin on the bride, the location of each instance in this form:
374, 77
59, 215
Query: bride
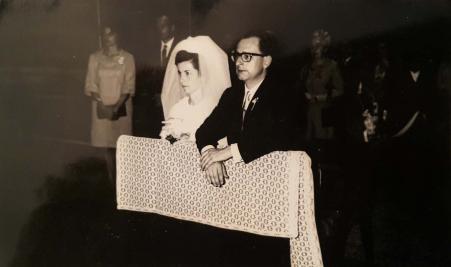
196, 76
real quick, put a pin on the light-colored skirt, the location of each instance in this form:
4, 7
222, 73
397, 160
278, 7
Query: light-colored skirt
104, 132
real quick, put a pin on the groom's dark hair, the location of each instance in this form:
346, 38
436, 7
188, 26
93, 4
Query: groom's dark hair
267, 41
184, 55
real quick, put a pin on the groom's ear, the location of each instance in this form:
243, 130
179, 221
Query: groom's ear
267, 60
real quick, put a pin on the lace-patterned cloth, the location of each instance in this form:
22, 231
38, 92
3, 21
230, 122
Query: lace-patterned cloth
270, 196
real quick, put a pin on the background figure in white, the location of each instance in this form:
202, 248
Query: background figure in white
196, 76
110, 81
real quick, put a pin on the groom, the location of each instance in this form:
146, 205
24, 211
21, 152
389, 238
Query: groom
252, 116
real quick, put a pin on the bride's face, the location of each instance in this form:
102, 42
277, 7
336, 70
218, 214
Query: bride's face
189, 77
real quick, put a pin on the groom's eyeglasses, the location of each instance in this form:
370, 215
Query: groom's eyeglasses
245, 57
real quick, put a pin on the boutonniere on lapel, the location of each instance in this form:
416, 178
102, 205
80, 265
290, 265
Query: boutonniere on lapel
121, 60
254, 102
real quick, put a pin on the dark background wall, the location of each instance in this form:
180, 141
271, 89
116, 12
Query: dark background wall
44, 47
404, 25
294, 20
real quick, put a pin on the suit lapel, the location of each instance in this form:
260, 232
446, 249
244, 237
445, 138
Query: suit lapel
239, 104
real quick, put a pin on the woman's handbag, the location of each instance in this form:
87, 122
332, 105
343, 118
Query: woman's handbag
106, 112
331, 115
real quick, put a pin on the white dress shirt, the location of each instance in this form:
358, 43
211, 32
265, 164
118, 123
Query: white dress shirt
415, 75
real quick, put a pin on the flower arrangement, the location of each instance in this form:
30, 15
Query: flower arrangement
373, 122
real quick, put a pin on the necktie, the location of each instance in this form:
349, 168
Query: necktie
163, 56
247, 100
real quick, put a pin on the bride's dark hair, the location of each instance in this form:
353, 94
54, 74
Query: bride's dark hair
184, 55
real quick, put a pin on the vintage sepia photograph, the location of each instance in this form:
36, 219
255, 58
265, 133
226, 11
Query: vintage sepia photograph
225, 133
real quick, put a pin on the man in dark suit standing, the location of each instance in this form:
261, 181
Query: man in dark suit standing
166, 29
415, 179
148, 109
252, 116
409, 103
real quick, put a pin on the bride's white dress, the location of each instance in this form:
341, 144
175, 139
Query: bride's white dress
189, 118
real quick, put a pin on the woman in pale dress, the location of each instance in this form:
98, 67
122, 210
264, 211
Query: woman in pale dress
196, 76
322, 84
110, 82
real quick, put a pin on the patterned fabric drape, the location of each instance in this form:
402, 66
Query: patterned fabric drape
271, 196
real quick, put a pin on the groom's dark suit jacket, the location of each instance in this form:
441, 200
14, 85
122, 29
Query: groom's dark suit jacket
265, 127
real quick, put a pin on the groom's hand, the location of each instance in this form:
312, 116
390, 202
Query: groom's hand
216, 174
215, 155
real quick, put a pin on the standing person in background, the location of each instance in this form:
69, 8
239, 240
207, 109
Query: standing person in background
443, 120
166, 29
362, 133
381, 73
411, 102
110, 82
149, 111
442, 126
322, 83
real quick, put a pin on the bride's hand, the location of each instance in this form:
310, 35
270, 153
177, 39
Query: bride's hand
172, 126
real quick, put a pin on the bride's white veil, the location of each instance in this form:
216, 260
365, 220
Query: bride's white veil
213, 66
